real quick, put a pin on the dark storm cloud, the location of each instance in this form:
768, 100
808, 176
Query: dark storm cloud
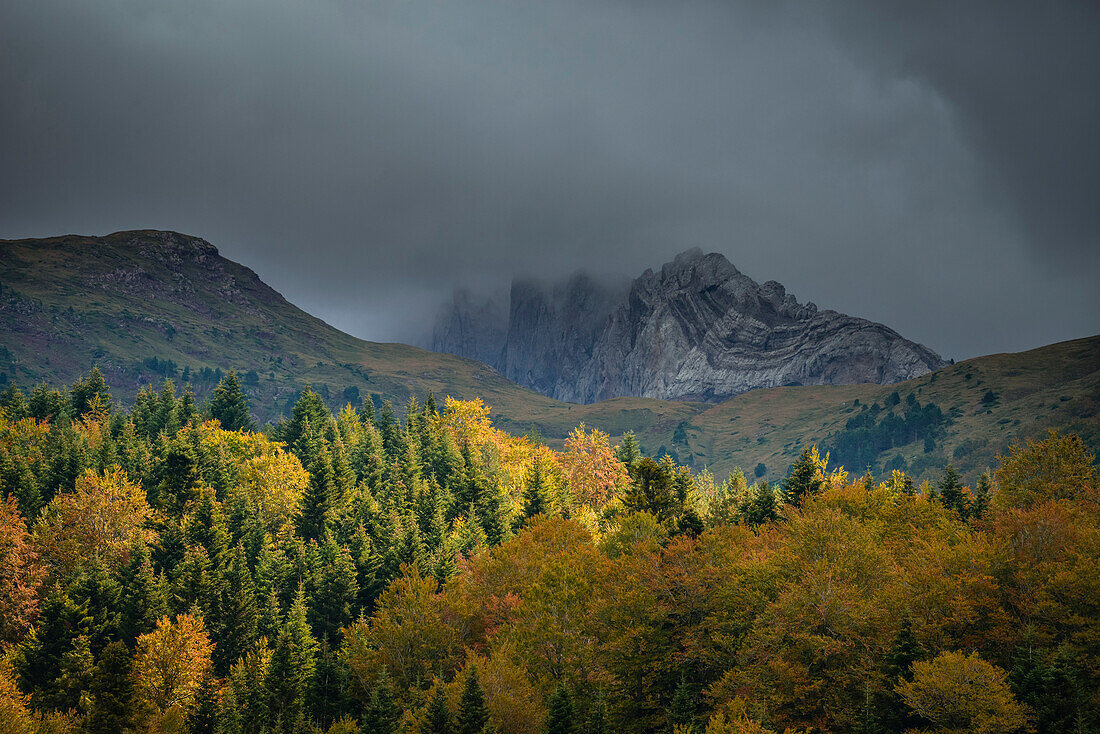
923, 168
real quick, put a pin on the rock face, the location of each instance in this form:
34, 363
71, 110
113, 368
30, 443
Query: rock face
698, 329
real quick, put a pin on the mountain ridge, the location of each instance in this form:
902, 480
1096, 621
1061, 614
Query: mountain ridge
182, 303
696, 329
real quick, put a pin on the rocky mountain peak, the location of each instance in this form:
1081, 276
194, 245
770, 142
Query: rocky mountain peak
697, 329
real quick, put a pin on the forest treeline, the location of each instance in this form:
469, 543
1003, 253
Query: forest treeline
170, 568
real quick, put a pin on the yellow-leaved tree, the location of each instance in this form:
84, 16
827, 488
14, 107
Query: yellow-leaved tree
963, 694
169, 667
594, 471
1057, 468
271, 487
102, 519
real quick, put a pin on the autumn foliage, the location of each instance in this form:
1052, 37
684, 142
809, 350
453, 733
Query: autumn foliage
365, 572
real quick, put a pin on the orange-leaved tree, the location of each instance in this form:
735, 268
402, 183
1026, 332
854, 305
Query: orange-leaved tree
594, 471
21, 574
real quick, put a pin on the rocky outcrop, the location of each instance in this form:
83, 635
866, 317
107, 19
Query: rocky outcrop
698, 329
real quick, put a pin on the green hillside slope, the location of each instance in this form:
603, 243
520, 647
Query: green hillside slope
988, 403
147, 304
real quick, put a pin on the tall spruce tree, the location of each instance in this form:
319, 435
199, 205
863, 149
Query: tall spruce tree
438, 720
112, 692
983, 491
382, 712
951, 494
235, 625
628, 451
144, 598
290, 673
536, 499
560, 716
473, 715
802, 478
91, 394
229, 405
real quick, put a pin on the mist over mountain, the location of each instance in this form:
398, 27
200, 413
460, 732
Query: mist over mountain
697, 329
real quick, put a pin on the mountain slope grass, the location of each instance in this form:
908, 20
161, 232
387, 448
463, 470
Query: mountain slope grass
149, 304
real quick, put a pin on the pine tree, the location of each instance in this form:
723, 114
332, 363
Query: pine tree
560, 718
535, 494
492, 513
77, 672
473, 715
144, 598
681, 710
234, 627
388, 427
333, 588
597, 716
317, 502
203, 717
168, 409
229, 406
761, 507
982, 493
652, 490
194, 584
185, 409
14, 404
290, 673
382, 712
951, 494
179, 478
438, 720
628, 451
91, 395
207, 526
112, 692
98, 592
329, 697
309, 412
802, 479
895, 715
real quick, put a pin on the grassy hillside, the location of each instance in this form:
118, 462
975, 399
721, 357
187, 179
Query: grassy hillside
989, 403
127, 299
146, 304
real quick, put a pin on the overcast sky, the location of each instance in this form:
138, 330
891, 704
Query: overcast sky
936, 168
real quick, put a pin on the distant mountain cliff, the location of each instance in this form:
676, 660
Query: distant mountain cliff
697, 329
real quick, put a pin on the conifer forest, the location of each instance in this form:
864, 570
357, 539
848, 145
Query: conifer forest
173, 567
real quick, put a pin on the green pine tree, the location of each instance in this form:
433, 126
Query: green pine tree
235, 626
91, 394
317, 503
682, 708
438, 720
290, 673
144, 598
628, 451
203, 716
802, 479
951, 494
229, 405
982, 494
14, 403
473, 715
382, 712
560, 717
112, 692
536, 500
